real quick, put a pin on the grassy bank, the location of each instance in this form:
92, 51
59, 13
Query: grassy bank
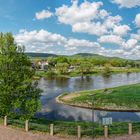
63, 128
124, 98
96, 71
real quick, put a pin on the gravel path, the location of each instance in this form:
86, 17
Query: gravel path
7, 133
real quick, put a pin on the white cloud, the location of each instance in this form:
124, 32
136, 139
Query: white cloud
90, 28
43, 14
84, 13
136, 36
121, 30
81, 43
39, 40
44, 41
137, 20
130, 44
88, 17
113, 39
81, 17
127, 3
124, 45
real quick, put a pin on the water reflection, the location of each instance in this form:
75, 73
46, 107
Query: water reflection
54, 87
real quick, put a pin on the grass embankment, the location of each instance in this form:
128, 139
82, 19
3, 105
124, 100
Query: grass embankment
124, 98
95, 71
63, 128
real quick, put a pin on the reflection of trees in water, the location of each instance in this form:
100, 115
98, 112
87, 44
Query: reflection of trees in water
62, 81
107, 78
84, 82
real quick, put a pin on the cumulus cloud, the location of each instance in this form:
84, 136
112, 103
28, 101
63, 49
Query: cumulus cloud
84, 13
127, 3
89, 17
43, 14
81, 43
122, 43
39, 40
86, 17
121, 30
42, 41
113, 39
137, 20
136, 36
130, 44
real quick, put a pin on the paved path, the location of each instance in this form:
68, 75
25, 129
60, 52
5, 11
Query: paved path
7, 133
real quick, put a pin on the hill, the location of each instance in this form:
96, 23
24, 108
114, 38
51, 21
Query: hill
45, 55
41, 55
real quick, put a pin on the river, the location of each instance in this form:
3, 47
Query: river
54, 87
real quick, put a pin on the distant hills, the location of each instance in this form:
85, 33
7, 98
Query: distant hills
88, 55
54, 55
41, 55
44, 55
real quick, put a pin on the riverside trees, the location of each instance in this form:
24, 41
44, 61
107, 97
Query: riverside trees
19, 95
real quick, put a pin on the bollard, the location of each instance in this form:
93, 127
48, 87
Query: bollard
51, 130
106, 131
79, 132
26, 125
5, 120
130, 129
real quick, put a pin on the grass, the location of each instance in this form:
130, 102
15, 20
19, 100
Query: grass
65, 128
118, 98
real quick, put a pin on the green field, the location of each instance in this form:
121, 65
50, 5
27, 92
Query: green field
124, 98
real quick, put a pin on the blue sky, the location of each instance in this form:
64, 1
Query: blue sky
106, 27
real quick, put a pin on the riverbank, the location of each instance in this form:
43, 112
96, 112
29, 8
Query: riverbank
96, 71
123, 98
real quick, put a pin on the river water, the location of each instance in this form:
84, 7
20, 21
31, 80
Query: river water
54, 87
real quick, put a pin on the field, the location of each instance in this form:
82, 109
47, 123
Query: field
124, 98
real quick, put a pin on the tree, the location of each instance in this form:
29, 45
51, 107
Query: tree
62, 68
18, 93
85, 68
107, 70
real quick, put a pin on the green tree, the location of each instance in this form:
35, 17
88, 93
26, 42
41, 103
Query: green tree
107, 70
19, 95
62, 68
85, 68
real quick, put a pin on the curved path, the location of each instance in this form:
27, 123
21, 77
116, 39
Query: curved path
7, 133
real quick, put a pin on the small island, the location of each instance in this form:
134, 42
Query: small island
123, 98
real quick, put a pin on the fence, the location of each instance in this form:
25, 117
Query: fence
79, 129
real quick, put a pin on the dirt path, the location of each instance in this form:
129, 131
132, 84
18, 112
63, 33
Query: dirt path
7, 133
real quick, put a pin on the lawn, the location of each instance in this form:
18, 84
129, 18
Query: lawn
124, 98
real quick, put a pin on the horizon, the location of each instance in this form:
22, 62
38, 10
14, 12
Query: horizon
82, 53
74, 26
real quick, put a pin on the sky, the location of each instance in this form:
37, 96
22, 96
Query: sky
105, 27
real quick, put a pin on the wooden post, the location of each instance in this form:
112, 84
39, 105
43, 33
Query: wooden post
51, 130
106, 131
79, 132
5, 120
26, 125
130, 129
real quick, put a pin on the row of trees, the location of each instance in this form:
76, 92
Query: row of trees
96, 61
19, 95
86, 65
